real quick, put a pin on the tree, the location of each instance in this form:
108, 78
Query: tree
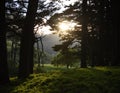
116, 34
106, 30
84, 35
27, 41
67, 57
4, 76
99, 33
79, 14
16, 17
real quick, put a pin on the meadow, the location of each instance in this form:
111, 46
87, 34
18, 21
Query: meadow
51, 79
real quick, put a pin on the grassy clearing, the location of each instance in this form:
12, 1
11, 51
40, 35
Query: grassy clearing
62, 80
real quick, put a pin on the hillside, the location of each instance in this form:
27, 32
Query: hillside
49, 41
89, 80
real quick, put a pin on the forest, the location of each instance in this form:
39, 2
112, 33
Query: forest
85, 59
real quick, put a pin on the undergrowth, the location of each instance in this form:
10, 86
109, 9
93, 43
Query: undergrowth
87, 80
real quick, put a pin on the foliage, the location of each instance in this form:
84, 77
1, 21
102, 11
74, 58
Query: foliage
99, 35
68, 58
89, 80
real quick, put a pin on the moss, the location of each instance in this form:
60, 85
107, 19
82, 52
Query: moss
97, 80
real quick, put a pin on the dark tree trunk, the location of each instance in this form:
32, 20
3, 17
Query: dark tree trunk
67, 66
4, 77
27, 41
84, 36
102, 30
93, 60
116, 32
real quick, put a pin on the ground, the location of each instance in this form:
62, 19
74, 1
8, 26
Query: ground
62, 80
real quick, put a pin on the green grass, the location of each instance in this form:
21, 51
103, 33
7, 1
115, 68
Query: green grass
48, 68
62, 80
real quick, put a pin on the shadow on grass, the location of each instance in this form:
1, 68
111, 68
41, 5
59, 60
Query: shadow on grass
75, 80
14, 81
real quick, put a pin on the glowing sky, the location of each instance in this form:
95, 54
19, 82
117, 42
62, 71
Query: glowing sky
61, 4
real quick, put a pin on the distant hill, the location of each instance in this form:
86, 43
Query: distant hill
49, 41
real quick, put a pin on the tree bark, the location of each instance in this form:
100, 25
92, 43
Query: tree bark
116, 32
27, 41
4, 77
84, 36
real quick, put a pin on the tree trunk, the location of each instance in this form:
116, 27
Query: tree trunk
27, 41
116, 32
12, 50
4, 77
84, 36
15, 53
42, 51
93, 60
38, 52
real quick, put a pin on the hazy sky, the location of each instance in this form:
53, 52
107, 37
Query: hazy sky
62, 4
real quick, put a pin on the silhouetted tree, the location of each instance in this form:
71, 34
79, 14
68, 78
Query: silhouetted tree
17, 19
115, 32
77, 12
4, 76
103, 22
84, 35
27, 41
100, 30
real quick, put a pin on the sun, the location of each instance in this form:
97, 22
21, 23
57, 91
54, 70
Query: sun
66, 26
63, 26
